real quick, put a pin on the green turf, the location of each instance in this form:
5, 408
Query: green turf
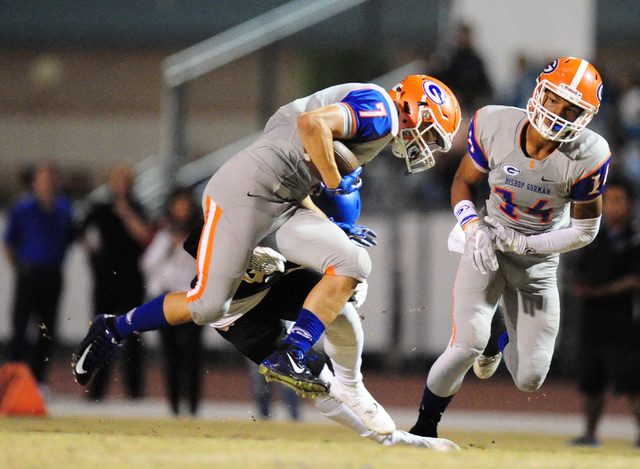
88, 442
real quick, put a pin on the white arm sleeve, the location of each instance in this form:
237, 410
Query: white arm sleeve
579, 234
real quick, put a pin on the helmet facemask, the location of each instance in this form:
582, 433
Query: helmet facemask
418, 144
429, 116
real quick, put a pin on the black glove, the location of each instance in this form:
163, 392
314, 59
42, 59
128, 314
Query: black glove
360, 235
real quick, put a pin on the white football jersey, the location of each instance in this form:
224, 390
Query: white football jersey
533, 196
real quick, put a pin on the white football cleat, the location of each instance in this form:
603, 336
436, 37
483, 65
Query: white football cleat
362, 403
485, 366
400, 437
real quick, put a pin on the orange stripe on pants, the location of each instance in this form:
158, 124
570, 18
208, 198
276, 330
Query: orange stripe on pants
205, 249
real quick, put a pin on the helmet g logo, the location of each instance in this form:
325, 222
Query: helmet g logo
551, 67
434, 92
599, 93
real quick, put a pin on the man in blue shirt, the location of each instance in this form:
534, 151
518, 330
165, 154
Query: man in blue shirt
38, 233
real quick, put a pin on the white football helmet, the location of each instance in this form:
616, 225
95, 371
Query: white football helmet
574, 80
429, 118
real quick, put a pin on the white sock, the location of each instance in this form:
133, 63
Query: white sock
340, 413
343, 344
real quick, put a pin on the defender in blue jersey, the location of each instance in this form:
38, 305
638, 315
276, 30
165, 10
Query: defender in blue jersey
546, 174
263, 191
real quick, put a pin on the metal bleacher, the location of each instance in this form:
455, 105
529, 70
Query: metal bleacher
158, 173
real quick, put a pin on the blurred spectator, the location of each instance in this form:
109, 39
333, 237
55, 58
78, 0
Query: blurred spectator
629, 105
629, 125
38, 233
168, 267
525, 81
115, 233
465, 73
606, 282
463, 70
263, 392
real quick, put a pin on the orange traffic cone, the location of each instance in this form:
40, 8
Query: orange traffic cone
19, 393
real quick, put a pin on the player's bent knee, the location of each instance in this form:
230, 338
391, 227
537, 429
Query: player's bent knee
473, 334
469, 340
208, 312
529, 385
356, 265
364, 263
531, 376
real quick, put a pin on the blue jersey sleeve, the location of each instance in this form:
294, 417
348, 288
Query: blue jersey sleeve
592, 185
370, 113
475, 149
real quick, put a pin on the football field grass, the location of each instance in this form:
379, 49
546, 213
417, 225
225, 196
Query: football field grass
90, 442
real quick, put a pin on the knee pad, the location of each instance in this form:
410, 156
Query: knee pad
207, 312
357, 264
364, 263
529, 384
472, 342
532, 374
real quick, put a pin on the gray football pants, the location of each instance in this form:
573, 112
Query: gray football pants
240, 211
531, 301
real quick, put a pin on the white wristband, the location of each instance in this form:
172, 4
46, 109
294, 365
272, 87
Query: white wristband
465, 212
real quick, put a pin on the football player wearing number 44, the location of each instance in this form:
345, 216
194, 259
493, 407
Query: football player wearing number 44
546, 174
264, 191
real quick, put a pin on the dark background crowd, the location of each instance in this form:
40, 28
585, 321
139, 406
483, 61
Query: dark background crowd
52, 203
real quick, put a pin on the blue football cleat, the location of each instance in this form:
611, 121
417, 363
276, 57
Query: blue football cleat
289, 368
96, 350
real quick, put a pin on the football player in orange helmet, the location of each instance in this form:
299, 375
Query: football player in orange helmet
262, 192
429, 118
546, 174
574, 80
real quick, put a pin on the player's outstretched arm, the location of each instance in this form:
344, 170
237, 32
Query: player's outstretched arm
579, 234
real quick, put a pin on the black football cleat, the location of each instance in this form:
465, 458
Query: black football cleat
96, 350
288, 367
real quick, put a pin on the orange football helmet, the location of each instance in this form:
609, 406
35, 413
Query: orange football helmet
575, 80
429, 119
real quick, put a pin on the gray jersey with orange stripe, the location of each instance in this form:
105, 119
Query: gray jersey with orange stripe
528, 195
370, 119
257, 193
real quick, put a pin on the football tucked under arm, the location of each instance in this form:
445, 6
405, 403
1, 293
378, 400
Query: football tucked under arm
346, 161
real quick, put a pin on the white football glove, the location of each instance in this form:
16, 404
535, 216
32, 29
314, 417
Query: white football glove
507, 239
479, 247
359, 294
266, 260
